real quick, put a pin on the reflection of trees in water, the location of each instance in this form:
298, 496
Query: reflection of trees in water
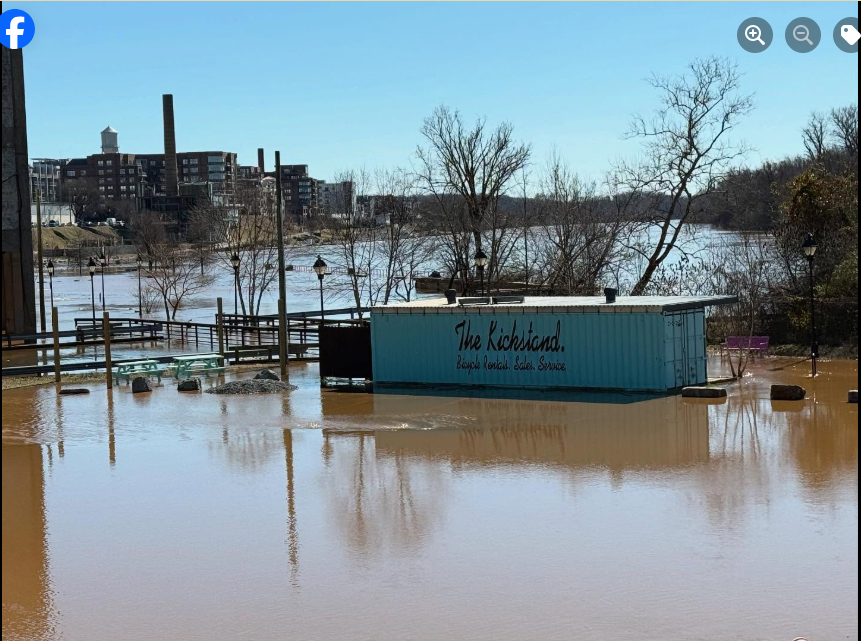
757, 444
247, 449
386, 503
28, 610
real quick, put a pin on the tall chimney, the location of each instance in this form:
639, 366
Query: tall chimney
169, 146
260, 159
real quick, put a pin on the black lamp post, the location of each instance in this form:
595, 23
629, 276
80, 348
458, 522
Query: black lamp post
234, 260
92, 267
103, 261
481, 263
320, 269
810, 248
51, 280
140, 293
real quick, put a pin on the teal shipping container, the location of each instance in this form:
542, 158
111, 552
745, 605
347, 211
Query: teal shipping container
642, 343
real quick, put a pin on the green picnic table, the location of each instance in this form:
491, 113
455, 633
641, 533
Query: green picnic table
137, 368
185, 366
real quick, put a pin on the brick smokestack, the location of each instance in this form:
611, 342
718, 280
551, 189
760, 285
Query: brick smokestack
170, 180
260, 159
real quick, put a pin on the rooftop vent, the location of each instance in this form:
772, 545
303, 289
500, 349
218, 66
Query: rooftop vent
610, 293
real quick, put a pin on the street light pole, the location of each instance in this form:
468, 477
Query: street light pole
481, 263
320, 269
140, 292
103, 261
91, 266
51, 280
810, 248
234, 260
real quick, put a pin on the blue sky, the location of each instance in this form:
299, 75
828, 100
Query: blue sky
342, 85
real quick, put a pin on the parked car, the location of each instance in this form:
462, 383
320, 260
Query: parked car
53, 223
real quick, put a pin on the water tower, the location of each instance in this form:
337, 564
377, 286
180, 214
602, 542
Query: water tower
109, 141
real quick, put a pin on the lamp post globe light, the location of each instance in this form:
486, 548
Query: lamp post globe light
234, 260
51, 280
481, 263
320, 269
91, 266
103, 261
809, 246
140, 294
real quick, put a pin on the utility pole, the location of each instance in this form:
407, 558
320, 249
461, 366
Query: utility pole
39, 257
283, 334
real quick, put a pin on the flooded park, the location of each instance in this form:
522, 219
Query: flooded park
390, 516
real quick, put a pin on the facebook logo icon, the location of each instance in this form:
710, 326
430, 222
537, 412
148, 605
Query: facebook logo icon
16, 29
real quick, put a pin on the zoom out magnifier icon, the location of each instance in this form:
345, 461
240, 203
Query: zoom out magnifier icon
802, 34
754, 34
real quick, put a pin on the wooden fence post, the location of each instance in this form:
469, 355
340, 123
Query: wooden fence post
219, 321
55, 326
106, 331
283, 337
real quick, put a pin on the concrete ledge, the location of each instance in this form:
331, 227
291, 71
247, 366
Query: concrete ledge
788, 393
704, 392
73, 391
853, 396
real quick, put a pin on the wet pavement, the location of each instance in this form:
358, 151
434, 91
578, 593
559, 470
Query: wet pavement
333, 515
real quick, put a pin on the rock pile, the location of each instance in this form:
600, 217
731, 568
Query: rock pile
251, 386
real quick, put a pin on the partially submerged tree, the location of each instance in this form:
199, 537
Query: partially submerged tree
474, 163
686, 153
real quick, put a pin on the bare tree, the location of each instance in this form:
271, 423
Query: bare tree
844, 122
354, 237
686, 153
245, 226
81, 199
474, 163
815, 135
404, 248
175, 278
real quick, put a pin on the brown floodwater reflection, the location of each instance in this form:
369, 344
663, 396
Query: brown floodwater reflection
330, 515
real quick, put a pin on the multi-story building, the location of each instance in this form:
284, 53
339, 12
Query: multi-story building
45, 179
216, 167
337, 199
300, 193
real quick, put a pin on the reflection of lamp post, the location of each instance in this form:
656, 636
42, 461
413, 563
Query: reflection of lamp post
140, 293
103, 261
92, 267
810, 248
320, 269
234, 260
481, 263
51, 280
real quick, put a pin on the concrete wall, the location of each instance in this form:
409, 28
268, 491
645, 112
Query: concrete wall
18, 292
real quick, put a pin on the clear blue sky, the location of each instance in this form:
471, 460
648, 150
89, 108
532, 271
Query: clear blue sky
343, 85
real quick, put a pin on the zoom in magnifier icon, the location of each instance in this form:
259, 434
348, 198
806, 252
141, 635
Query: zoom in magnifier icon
802, 34
754, 34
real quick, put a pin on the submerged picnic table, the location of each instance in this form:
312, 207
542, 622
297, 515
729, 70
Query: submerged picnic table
137, 368
185, 366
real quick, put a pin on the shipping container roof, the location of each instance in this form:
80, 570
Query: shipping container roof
560, 305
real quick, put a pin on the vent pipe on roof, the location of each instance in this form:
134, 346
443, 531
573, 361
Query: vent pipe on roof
170, 177
260, 159
610, 293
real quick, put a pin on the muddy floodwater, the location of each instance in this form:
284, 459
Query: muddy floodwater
327, 515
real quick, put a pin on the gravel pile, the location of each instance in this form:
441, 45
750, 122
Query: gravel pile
251, 386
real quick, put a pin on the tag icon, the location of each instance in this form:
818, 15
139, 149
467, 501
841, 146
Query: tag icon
850, 34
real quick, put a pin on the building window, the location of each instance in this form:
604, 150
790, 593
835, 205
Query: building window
123, 188
101, 181
101, 172
110, 162
185, 161
83, 172
194, 161
110, 187
122, 171
71, 174
194, 170
101, 188
101, 163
